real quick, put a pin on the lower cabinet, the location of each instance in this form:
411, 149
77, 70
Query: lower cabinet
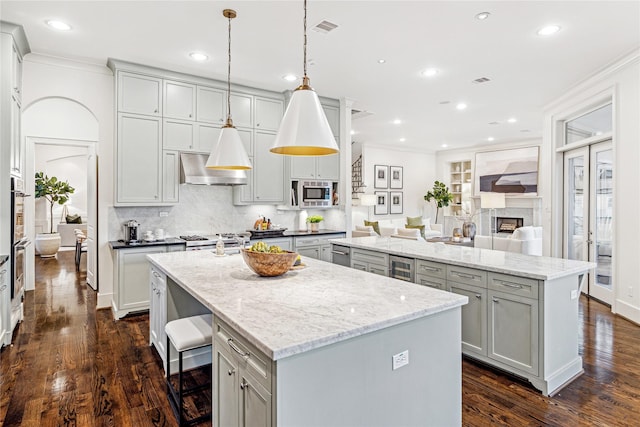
373, 262
131, 273
242, 376
158, 313
474, 318
5, 306
285, 243
317, 247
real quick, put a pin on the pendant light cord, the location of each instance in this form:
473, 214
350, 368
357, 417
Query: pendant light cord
229, 74
305, 38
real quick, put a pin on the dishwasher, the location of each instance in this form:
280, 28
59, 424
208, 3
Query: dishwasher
341, 255
402, 268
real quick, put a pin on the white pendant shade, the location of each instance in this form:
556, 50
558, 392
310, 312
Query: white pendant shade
229, 152
304, 130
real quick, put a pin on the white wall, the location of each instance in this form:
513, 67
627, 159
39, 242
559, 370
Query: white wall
92, 87
621, 81
418, 176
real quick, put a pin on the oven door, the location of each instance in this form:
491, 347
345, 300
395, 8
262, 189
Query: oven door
18, 266
17, 210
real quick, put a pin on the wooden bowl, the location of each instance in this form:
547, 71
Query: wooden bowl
269, 264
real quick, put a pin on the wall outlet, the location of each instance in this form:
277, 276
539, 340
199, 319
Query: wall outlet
574, 294
164, 213
400, 359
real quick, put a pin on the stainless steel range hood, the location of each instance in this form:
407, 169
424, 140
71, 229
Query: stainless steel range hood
193, 171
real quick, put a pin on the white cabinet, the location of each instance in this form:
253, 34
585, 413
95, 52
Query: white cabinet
373, 262
16, 139
131, 292
243, 381
432, 274
211, 105
139, 94
474, 317
179, 100
5, 305
158, 313
315, 246
269, 113
266, 178
16, 73
178, 135
170, 176
241, 110
285, 243
139, 160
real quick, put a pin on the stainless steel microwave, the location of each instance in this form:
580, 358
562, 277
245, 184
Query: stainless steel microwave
316, 194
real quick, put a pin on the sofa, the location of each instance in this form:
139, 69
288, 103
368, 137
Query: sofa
389, 227
524, 240
67, 233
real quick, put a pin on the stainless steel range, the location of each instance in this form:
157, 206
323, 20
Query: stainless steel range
232, 242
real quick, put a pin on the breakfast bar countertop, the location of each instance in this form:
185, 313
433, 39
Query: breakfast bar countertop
304, 309
534, 267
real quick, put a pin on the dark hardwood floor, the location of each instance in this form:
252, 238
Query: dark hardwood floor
73, 365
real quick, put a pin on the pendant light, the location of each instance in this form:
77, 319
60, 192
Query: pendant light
229, 152
304, 130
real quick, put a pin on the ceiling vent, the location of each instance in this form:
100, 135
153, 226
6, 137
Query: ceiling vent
494, 123
358, 114
481, 80
325, 27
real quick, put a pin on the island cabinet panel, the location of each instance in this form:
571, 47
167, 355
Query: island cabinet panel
373, 262
513, 331
5, 301
474, 318
158, 313
226, 388
317, 247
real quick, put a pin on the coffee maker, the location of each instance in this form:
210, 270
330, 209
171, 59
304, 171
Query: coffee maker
131, 232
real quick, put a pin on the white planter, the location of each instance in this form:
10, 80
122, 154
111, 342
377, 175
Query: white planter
47, 244
314, 226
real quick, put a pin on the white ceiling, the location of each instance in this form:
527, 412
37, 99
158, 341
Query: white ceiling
526, 71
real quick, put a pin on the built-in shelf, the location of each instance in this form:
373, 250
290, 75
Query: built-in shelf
460, 187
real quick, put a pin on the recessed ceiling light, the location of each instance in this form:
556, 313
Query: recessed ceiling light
381, 61
403, 139
290, 77
198, 56
58, 25
548, 30
461, 106
397, 121
482, 16
512, 120
444, 145
490, 138
430, 72
353, 132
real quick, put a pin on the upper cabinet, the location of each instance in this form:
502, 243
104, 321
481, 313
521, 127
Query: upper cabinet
139, 94
16, 73
268, 113
241, 110
179, 101
211, 105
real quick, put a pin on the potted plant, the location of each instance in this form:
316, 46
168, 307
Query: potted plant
315, 221
441, 195
53, 191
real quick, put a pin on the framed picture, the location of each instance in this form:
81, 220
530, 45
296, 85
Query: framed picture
381, 178
382, 203
395, 173
513, 171
395, 202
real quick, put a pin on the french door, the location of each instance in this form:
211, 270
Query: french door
588, 214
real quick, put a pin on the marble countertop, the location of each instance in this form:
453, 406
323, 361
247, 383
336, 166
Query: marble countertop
3, 259
120, 244
534, 267
300, 233
303, 309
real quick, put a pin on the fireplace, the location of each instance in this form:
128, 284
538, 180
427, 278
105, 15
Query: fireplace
508, 224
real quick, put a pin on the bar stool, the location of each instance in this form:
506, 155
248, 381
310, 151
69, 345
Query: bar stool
186, 334
81, 246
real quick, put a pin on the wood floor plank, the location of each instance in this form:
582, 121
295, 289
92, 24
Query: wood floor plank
71, 364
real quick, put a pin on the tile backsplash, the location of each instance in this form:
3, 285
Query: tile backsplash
210, 210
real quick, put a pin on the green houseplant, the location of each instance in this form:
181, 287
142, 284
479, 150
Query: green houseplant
315, 221
441, 195
53, 191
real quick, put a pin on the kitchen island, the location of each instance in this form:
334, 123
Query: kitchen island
522, 315
321, 345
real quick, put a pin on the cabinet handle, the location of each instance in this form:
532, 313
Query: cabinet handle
495, 300
339, 253
155, 111
237, 349
244, 385
424, 267
3, 288
257, 124
190, 115
478, 296
464, 275
428, 283
231, 372
155, 273
509, 284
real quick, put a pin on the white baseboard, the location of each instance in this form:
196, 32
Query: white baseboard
104, 300
628, 311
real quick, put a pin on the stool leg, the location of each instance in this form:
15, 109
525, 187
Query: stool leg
180, 388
